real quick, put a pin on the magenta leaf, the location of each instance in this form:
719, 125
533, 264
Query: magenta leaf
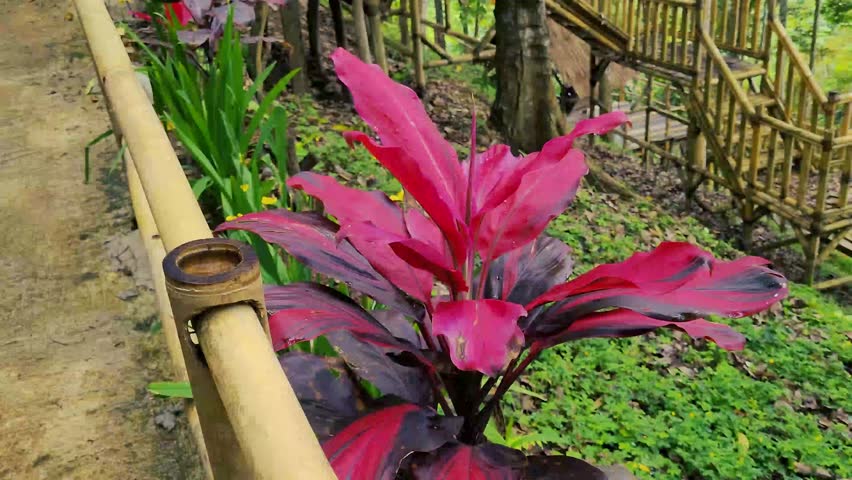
375, 245
545, 467
350, 205
310, 238
627, 323
371, 363
541, 196
675, 282
373, 446
411, 175
304, 311
424, 229
457, 461
399, 119
483, 335
421, 255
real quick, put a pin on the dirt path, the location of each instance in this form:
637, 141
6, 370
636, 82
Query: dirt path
74, 358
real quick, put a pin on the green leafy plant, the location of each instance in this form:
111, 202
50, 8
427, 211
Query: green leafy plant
236, 135
171, 389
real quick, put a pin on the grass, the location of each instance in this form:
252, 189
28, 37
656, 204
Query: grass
663, 405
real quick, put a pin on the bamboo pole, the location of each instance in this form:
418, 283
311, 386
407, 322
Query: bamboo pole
417, 44
374, 16
282, 446
156, 253
361, 37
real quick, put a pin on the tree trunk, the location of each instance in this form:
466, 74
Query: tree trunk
525, 108
291, 17
314, 49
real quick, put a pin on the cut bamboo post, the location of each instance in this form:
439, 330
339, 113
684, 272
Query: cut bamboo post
402, 19
252, 385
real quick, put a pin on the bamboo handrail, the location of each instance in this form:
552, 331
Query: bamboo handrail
156, 253
798, 61
271, 428
719, 61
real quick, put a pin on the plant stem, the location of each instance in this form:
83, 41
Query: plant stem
438, 389
508, 379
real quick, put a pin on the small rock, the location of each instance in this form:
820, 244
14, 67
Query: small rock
166, 420
128, 294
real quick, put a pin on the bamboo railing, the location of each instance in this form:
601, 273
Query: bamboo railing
779, 143
250, 420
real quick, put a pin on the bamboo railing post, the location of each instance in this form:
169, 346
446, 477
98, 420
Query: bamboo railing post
417, 44
361, 37
250, 382
402, 19
374, 15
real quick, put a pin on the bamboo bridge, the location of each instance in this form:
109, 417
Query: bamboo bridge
727, 97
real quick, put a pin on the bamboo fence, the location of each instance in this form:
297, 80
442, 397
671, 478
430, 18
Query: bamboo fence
250, 424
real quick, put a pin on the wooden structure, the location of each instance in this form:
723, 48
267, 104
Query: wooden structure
727, 97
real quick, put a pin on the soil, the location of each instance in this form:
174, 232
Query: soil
76, 348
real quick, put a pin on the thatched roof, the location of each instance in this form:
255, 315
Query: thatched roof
570, 55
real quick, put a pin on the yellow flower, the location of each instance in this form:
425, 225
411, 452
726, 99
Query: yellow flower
230, 218
268, 200
169, 125
244, 187
644, 468
771, 361
398, 197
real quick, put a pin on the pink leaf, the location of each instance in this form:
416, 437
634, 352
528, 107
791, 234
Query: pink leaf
483, 335
374, 244
421, 255
676, 281
425, 230
310, 238
626, 323
398, 117
374, 446
485, 461
541, 196
412, 176
304, 311
350, 205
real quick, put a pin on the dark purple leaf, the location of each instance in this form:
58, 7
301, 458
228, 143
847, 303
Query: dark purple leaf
371, 363
627, 323
324, 390
311, 239
525, 273
304, 311
676, 282
399, 325
457, 461
483, 335
374, 445
542, 467
320, 379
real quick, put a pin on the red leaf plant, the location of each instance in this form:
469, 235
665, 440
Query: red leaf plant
443, 361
